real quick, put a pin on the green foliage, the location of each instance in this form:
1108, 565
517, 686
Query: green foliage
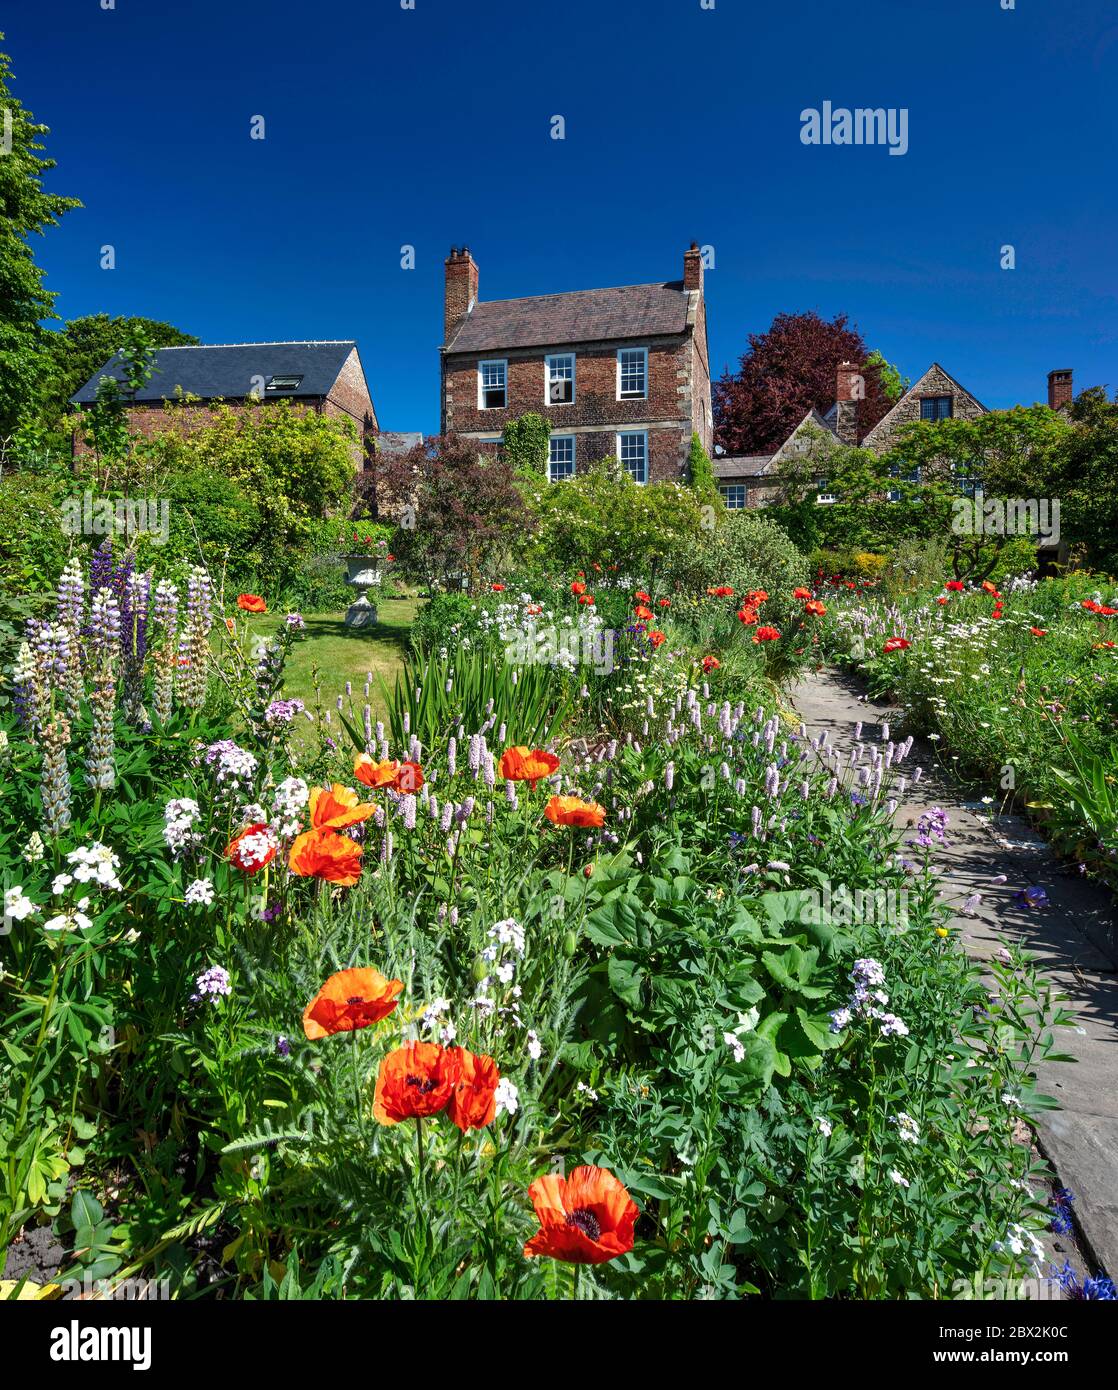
525, 445
749, 550
603, 516
700, 474
27, 210
75, 352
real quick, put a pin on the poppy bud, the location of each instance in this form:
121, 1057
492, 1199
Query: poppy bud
570, 944
481, 969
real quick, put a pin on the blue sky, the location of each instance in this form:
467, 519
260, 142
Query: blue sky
431, 127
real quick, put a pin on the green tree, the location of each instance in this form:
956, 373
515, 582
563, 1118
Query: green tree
74, 353
25, 209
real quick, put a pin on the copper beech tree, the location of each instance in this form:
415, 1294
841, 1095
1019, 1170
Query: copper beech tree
787, 370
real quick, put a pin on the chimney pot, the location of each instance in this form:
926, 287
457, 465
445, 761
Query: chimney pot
461, 289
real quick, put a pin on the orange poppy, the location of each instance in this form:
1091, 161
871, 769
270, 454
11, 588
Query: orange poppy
766, 634
1039, 631
251, 603
521, 764
643, 613
585, 1219
327, 855
665, 603
572, 810
391, 773
722, 591
251, 849
349, 1000
473, 1102
642, 597
747, 615
801, 593
756, 596
815, 608
415, 1081
578, 587
333, 808
710, 663
656, 638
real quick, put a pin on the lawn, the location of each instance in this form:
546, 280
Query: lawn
331, 653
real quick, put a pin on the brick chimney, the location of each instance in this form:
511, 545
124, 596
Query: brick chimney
850, 388
1059, 388
693, 268
461, 288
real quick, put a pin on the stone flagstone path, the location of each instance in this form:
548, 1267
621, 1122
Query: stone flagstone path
1074, 940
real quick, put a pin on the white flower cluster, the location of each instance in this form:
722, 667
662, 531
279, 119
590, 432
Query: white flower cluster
95, 864
436, 1016
868, 976
290, 799
180, 816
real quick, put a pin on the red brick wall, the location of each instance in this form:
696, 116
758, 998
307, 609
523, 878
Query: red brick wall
665, 413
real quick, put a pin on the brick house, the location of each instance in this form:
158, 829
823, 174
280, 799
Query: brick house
325, 377
757, 480
617, 372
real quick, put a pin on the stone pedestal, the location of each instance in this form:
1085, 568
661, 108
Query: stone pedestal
361, 614
362, 574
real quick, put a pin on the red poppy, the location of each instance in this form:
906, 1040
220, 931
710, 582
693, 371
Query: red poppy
523, 764
942, 601
1039, 631
710, 663
896, 644
473, 1102
391, 559
252, 848
400, 777
415, 1081
955, 585
722, 591
326, 855
643, 613
1101, 646
251, 603
586, 598
656, 638
665, 603
336, 807
578, 587
1090, 605
585, 1219
572, 810
801, 593
815, 608
747, 615
756, 596
349, 1000
1104, 612
990, 588
766, 634
642, 597
497, 588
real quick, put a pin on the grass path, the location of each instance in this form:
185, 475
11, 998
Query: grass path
343, 654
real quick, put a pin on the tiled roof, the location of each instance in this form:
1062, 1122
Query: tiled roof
226, 370
580, 316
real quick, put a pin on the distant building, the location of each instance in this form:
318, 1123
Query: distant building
326, 377
756, 480
618, 372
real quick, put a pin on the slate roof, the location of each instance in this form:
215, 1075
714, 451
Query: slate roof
741, 466
226, 370
578, 316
